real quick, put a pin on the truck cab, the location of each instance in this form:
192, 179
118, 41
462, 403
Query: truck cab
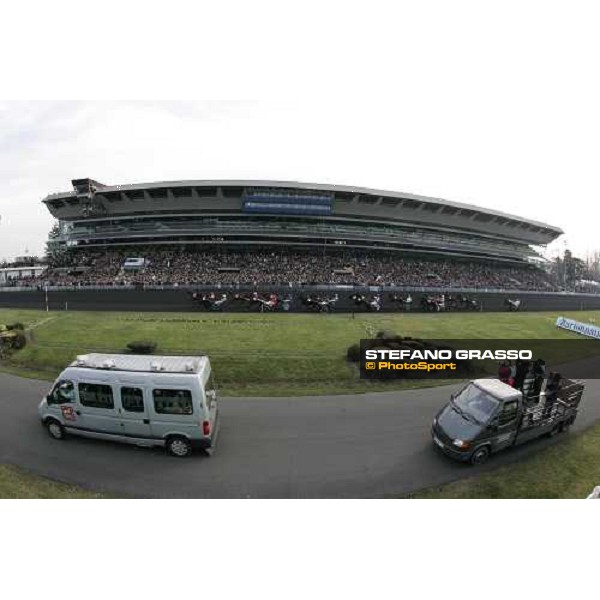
487, 416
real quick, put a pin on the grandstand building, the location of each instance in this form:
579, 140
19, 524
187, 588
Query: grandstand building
273, 214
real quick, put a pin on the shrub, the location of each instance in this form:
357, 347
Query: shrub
388, 335
353, 353
19, 341
414, 345
142, 347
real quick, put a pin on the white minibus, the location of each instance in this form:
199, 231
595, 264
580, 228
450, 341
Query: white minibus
168, 401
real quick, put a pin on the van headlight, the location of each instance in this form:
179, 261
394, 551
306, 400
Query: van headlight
461, 444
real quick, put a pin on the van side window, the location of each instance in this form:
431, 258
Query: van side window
172, 402
63, 393
509, 412
132, 399
96, 395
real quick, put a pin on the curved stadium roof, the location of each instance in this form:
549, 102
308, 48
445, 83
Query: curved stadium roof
348, 201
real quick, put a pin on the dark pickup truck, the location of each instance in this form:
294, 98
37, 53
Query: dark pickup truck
488, 415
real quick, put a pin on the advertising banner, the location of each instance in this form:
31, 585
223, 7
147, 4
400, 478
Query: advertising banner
581, 328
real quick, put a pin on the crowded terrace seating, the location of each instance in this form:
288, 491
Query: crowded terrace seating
190, 266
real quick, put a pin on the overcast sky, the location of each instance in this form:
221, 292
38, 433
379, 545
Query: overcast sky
498, 109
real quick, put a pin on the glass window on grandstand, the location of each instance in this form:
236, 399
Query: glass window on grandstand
95, 395
172, 402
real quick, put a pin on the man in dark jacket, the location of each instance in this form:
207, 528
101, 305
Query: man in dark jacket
552, 387
521, 369
539, 373
528, 385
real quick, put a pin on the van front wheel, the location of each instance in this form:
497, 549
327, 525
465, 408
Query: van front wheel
179, 446
55, 429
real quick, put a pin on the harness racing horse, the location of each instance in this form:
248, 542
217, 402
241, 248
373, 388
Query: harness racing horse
453, 302
512, 305
317, 304
463, 302
209, 301
471, 303
270, 303
405, 302
433, 303
243, 299
373, 304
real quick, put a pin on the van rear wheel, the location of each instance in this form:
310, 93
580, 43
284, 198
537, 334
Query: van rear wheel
179, 447
55, 429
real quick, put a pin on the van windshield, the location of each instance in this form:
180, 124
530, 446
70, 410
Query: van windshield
476, 404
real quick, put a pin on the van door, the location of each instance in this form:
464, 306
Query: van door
97, 408
62, 402
133, 411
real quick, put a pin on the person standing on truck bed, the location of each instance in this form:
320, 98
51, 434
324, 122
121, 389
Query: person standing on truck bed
552, 387
521, 370
539, 373
504, 372
528, 384
513, 372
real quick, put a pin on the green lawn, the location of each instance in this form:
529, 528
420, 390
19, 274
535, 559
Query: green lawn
16, 484
571, 469
261, 354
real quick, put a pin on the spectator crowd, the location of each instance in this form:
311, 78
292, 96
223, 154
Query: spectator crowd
170, 266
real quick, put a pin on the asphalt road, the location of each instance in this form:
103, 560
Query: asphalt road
370, 445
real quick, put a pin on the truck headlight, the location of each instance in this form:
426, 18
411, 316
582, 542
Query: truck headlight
461, 444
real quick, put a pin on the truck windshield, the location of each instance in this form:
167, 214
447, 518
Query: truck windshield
476, 404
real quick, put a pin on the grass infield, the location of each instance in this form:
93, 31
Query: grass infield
262, 354
17, 484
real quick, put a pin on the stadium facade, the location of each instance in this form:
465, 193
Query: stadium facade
274, 214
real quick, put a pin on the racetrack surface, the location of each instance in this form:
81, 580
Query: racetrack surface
123, 300
369, 445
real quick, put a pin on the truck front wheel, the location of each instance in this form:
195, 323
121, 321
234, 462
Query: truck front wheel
565, 426
480, 455
555, 430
